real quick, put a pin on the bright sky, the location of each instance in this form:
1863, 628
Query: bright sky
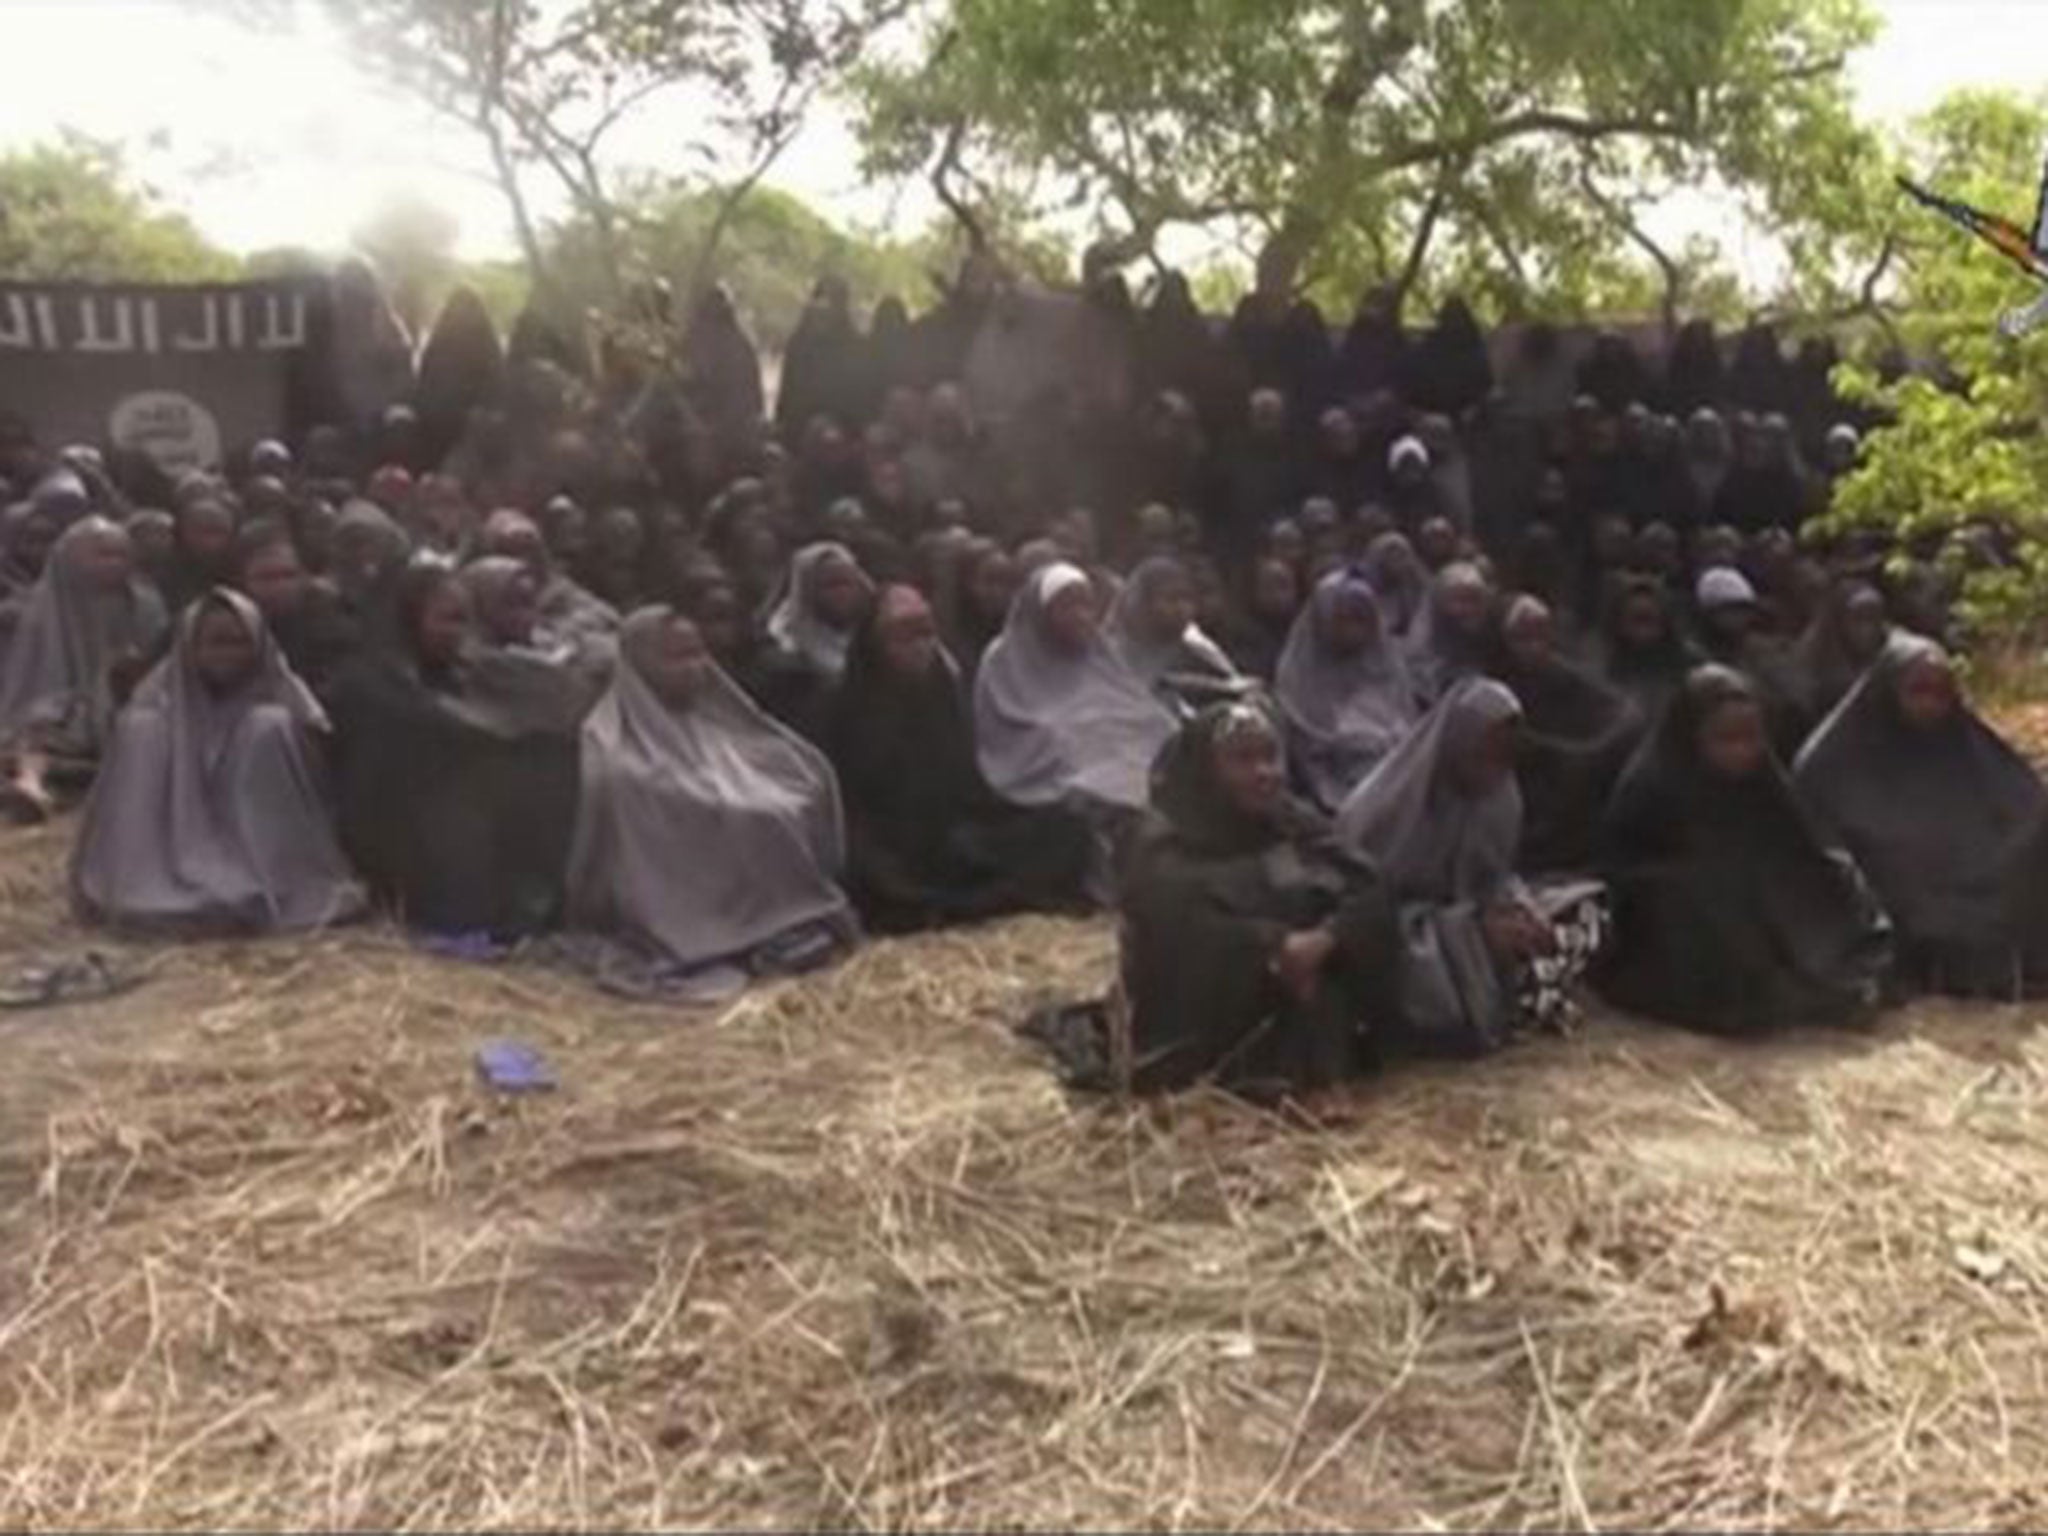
277, 140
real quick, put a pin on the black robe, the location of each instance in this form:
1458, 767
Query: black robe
1731, 913
929, 843
821, 370
458, 810
1577, 733
1208, 897
461, 369
1649, 676
1946, 824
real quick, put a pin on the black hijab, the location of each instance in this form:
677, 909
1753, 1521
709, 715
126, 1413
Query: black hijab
821, 364
1453, 371
461, 369
1936, 815
1732, 912
1577, 732
1694, 378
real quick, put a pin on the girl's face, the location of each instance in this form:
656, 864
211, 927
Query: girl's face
1732, 742
720, 623
107, 561
444, 625
1463, 607
516, 613
1641, 621
1351, 625
1436, 541
1285, 541
223, 651
207, 530
1927, 694
1731, 622
1531, 637
1169, 606
1276, 594
620, 536
1611, 542
908, 635
676, 662
275, 580
33, 542
992, 585
838, 594
1658, 549
1249, 771
1070, 619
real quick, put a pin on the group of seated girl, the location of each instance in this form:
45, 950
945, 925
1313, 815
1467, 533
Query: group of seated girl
1416, 835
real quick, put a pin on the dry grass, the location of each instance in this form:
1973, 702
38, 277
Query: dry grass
843, 1256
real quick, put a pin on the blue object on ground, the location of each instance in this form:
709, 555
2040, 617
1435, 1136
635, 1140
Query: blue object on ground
513, 1067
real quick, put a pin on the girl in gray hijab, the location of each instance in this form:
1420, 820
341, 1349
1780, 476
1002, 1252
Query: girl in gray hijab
1343, 688
1152, 629
708, 837
514, 648
88, 617
1058, 717
1441, 820
818, 607
1452, 636
210, 812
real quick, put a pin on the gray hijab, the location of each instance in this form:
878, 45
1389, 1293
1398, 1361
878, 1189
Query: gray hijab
1427, 840
1151, 659
68, 637
1050, 726
703, 832
794, 623
212, 812
1342, 713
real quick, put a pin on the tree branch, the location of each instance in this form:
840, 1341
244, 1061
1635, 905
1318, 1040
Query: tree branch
943, 170
1624, 219
1425, 232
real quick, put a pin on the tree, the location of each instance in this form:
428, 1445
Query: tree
73, 211
1368, 140
548, 84
1964, 445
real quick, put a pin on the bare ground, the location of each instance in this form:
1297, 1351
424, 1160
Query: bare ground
844, 1255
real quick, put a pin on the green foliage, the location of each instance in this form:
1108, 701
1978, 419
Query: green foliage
1967, 448
72, 211
1340, 130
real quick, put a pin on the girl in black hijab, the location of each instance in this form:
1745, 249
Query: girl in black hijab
1641, 651
1694, 377
461, 369
1375, 354
1732, 914
1177, 351
304, 615
455, 802
1254, 953
821, 364
203, 556
1944, 817
1576, 734
929, 843
1453, 372
971, 594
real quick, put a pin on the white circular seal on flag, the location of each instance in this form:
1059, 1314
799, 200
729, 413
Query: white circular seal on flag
176, 431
